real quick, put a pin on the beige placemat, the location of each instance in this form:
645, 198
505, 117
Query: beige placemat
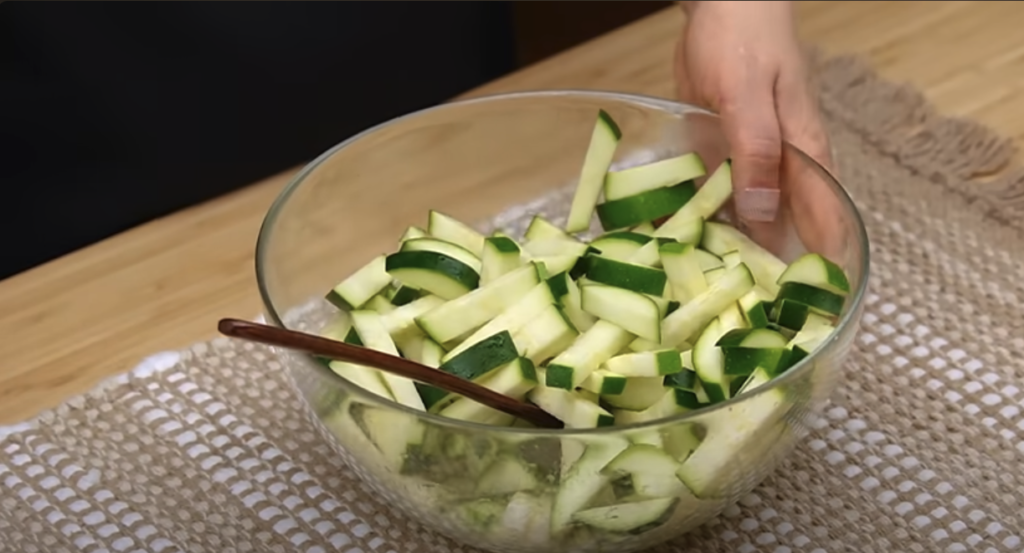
921, 450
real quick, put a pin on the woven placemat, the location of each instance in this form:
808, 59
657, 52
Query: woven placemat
922, 448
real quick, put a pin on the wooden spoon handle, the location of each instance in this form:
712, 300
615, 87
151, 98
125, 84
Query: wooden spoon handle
332, 349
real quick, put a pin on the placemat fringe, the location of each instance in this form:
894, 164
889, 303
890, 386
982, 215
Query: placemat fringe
963, 156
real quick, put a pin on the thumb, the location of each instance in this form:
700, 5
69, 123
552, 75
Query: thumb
751, 127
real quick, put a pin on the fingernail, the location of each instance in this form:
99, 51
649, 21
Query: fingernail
759, 205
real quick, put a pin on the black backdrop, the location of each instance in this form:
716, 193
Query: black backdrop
116, 113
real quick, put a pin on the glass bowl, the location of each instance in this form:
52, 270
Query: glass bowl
494, 162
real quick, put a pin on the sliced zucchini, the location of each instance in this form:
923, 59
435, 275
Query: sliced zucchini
645, 206
374, 335
620, 245
559, 285
644, 228
706, 202
514, 380
360, 286
731, 317
818, 324
702, 396
660, 174
403, 319
554, 264
391, 432
413, 232
686, 233
339, 328
692, 316
527, 308
789, 314
709, 363
736, 383
712, 275
438, 274
708, 260
746, 350
588, 395
639, 394
603, 142
662, 408
449, 249
731, 259
555, 247
545, 335
419, 348
571, 367
759, 377
404, 295
380, 304
756, 306
651, 471
646, 364
818, 300
507, 475
647, 255
542, 229
815, 331
633, 312
813, 269
366, 378
685, 379
570, 407
603, 382
687, 400
629, 518
528, 518
470, 311
483, 356
720, 239
732, 435
482, 513
665, 306
674, 401
641, 344
473, 363
756, 338
501, 255
573, 308
630, 276
450, 229
583, 480
681, 263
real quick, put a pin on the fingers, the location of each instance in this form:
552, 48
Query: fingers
816, 212
751, 126
800, 119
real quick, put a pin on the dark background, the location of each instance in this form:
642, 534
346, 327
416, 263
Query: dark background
116, 113
545, 28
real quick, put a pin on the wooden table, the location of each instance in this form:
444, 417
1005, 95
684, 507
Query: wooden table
98, 311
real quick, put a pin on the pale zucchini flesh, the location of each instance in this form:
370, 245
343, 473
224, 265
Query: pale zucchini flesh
705, 203
603, 143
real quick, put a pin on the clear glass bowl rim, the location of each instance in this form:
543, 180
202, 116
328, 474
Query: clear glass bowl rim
640, 100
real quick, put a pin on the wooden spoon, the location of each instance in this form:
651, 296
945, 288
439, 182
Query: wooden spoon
333, 349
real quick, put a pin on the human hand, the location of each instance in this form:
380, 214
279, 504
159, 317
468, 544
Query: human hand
743, 61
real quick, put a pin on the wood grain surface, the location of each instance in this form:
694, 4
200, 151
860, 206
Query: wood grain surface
96, 312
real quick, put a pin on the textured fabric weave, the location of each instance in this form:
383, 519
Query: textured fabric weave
922, 448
